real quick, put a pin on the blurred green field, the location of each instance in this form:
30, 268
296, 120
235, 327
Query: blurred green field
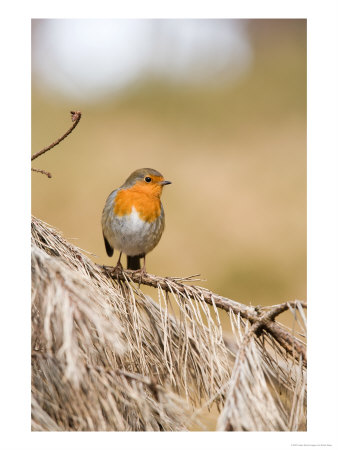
236, 211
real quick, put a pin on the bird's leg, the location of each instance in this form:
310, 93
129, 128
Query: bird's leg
143, 270
117, 270
119, 267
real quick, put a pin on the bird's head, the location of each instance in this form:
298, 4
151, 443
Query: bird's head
148, 181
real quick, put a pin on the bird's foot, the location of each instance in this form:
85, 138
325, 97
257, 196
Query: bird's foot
118, 269
114, 271
141, 272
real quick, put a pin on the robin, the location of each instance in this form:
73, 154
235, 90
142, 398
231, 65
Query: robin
133, 217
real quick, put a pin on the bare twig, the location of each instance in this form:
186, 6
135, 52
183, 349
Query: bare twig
49, 175
76, 116
291, 344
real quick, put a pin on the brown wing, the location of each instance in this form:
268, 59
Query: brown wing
109, 249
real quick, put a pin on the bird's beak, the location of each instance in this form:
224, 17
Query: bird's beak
163, 183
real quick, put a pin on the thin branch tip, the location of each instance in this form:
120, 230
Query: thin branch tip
75, 116
48, 174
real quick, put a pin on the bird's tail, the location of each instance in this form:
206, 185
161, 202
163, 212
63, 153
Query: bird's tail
133, 262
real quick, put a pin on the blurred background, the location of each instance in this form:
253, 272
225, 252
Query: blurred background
217, 106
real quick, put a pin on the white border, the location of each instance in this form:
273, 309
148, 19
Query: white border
322, 222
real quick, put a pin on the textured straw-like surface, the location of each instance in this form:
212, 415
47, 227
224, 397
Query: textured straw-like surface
105, 356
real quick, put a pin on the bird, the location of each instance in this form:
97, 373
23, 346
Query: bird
133, 217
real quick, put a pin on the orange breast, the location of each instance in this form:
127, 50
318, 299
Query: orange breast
147, 205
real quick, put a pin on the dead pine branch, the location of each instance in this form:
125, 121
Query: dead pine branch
75, 116
255, 316
106, 356
248, 382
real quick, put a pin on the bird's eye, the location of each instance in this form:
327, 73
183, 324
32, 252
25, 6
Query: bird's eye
147, 179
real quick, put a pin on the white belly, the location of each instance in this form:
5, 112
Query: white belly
133, 236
